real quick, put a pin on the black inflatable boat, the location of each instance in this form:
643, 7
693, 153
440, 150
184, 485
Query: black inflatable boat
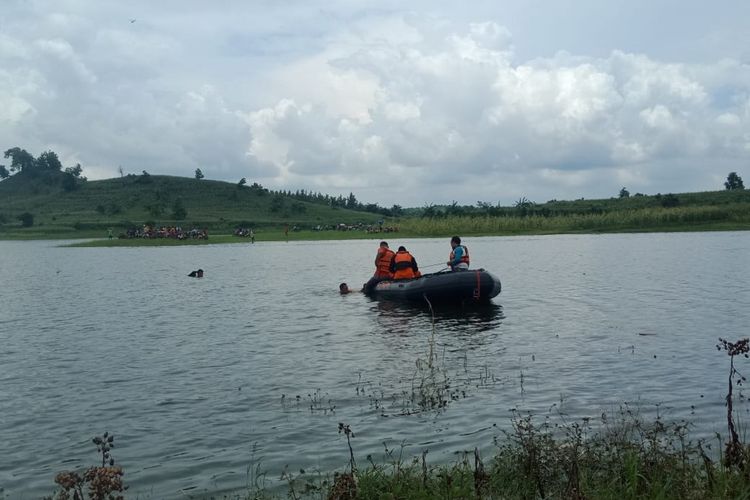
475, 285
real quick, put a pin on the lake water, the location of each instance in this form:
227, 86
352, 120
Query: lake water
201, 380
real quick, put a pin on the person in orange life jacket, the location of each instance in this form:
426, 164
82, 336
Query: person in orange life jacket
382, 267
404, 266
383, 261
459, 258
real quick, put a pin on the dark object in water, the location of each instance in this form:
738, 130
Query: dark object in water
475, 285
196, 274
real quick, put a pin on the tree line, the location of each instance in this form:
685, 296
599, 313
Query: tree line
46, 167
349, 202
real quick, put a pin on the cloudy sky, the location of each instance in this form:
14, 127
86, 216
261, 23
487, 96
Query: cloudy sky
404, 103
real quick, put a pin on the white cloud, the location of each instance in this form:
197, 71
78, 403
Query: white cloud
432, 105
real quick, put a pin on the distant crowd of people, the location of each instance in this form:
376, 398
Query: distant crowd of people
359, 226
381, 229
165, 232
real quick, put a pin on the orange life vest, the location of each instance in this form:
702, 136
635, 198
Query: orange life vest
464, 256
383, 263
402, 264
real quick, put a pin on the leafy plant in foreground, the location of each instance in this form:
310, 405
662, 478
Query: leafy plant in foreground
100, 482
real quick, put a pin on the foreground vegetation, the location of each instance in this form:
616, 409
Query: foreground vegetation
618, 456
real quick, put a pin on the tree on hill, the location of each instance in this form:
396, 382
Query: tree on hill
71, 178
668, 200
624, 193
48, 161
734, 181
242, 182
75, 171
20, 159
27, 219
145, 178
178, 210
47, 168
198, 174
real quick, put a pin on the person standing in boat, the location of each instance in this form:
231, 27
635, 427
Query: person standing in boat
404, 265
459, 258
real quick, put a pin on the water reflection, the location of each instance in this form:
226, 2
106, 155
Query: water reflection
412, 318
437, 352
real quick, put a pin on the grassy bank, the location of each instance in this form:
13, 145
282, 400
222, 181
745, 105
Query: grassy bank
616, 456
230, 238
626, 459
421, 228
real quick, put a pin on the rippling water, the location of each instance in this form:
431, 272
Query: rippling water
256, 363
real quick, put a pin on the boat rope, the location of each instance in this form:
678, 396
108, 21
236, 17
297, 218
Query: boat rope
477, 289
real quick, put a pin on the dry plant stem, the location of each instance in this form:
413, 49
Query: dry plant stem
734, 455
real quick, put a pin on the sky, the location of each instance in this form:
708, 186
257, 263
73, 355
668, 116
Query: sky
410, 103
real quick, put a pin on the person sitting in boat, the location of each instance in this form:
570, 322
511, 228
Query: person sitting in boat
459, 258
404, 266
382, 266
196, 274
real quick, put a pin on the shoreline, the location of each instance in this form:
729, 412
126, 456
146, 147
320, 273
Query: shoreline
95, 241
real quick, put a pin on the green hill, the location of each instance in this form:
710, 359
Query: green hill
44, 202
91, 207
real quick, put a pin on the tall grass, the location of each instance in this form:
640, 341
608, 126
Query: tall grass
621, 456
657, 218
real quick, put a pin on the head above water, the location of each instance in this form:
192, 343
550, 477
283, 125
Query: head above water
343, 288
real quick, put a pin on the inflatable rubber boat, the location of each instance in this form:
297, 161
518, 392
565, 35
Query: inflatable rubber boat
474, 285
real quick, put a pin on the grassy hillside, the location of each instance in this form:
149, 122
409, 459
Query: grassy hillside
132, 200
93, 207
